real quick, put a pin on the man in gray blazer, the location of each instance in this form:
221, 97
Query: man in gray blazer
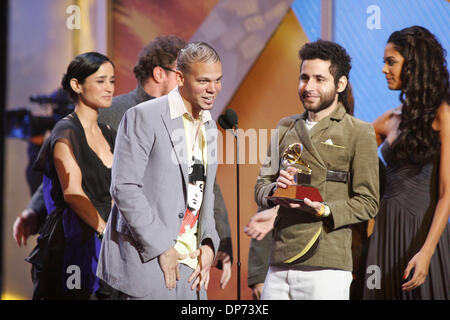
155, 75
155, 245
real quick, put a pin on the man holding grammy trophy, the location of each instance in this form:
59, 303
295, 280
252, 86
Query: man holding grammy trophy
322, 171
300, 171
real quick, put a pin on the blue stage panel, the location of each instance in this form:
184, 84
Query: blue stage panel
356, 28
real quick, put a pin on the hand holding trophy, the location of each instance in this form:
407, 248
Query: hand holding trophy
299, 188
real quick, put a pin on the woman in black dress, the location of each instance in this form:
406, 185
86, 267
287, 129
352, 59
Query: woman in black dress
409, 251
76, 161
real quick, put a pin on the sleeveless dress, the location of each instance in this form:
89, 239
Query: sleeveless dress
65, 259
401, 227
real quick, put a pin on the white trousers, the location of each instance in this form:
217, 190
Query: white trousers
290, 284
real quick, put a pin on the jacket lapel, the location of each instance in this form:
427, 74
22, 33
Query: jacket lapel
325, 123
308, 137
305, 137
175, 129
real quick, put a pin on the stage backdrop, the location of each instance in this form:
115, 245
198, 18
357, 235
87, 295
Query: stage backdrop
135, 23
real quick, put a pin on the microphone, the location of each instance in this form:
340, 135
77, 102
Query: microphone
228, 120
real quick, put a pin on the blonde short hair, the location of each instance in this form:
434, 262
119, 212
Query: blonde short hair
196, 52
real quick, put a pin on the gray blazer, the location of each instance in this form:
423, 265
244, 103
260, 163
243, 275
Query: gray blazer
149, 188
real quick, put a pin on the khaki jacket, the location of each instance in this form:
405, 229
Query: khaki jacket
339, 142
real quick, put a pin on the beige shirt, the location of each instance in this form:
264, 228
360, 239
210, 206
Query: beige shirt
196, 149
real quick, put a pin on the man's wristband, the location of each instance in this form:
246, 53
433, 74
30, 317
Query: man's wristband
323, 212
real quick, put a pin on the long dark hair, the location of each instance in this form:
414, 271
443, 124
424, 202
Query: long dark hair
425, 85
81, 67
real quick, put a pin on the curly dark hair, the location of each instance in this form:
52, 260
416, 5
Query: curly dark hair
162, 51
340, 64
425, 85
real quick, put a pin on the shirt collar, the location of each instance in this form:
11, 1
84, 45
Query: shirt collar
178, 109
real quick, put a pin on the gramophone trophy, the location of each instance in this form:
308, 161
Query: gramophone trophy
302, 188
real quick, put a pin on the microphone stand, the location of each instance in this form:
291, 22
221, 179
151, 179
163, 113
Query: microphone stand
235, 134
229, 123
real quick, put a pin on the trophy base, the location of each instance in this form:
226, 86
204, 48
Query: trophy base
297, 193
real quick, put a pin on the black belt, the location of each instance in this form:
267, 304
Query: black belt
338, 176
